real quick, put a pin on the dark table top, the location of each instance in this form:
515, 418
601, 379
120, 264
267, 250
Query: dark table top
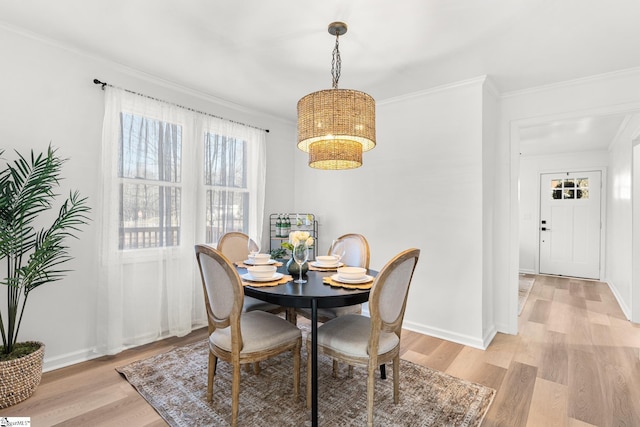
300, 295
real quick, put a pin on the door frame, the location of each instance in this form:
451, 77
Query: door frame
603, 211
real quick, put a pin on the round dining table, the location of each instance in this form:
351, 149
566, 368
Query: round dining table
314, 294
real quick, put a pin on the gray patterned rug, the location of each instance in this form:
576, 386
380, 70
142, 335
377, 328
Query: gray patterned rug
174, 383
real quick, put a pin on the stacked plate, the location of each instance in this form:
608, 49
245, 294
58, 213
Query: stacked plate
352, 275
262, 273
259, 259
326, 261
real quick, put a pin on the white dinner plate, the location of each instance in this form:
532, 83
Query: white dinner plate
249, 276
249, 262
318, 265
365, 279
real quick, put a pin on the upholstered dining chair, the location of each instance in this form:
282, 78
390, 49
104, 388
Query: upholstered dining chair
235, 246
371, 341
356, 254
239, 337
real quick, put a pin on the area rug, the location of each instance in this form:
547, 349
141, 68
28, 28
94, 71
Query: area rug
174, 383
525, 282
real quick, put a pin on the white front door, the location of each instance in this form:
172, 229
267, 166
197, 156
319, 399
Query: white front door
570, 224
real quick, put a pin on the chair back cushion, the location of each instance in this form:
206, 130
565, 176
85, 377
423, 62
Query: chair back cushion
391, 287
356, 250
233, 245
221, 283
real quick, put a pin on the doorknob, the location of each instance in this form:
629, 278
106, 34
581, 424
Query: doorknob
545, 229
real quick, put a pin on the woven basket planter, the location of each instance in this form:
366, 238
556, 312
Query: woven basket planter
20, 377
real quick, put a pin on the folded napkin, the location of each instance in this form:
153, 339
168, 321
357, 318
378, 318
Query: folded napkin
329, 281
241, 264
284, 279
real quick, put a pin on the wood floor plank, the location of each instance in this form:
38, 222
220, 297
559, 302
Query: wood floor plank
620, 389
591, 292
443, 355
511, 405
418, 342
554, 365
471, 366
548, 405
502, 350
585, 387
579, 334
540, 312
532, 343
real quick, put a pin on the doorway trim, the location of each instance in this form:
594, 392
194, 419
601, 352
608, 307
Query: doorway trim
635, 228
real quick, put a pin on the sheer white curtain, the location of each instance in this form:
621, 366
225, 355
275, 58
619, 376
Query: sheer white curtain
157, 204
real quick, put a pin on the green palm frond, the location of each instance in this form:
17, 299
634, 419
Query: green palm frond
33, 256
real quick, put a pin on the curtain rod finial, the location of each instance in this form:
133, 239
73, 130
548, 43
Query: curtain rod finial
98, 82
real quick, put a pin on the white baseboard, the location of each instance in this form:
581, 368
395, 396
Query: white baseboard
62, 361
479, 343
623, 306
467, 340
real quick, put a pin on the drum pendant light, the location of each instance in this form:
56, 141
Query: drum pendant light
336, 125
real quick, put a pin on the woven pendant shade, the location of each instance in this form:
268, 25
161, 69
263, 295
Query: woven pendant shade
337, 113
336, 125
334, 154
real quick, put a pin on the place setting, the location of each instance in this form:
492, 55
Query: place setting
332, 261
255, 257
350, 278
263, 275
325, 263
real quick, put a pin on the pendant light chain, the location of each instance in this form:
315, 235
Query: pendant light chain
336, 64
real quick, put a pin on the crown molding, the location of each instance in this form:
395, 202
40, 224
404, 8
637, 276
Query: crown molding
431, 91
574, 82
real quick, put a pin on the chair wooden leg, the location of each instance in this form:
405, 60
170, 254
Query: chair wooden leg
291, 315
383, 372
235, 393
296, 370
256, 368
335, 368
396, 379
210, 375
371, 375
350, 372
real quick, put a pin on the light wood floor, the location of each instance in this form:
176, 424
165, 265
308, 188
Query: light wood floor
575, 362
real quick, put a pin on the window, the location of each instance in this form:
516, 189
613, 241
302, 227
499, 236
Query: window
570, 189
149, 165
225, 178
171, 178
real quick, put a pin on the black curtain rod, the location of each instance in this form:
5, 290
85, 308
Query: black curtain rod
98, 82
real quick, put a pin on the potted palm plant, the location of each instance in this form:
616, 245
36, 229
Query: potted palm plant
30, 257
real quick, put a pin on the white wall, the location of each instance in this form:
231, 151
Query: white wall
421, 187
490, 127
529, 209
619, 254
48, 96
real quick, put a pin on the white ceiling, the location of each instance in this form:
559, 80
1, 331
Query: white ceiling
267, 54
